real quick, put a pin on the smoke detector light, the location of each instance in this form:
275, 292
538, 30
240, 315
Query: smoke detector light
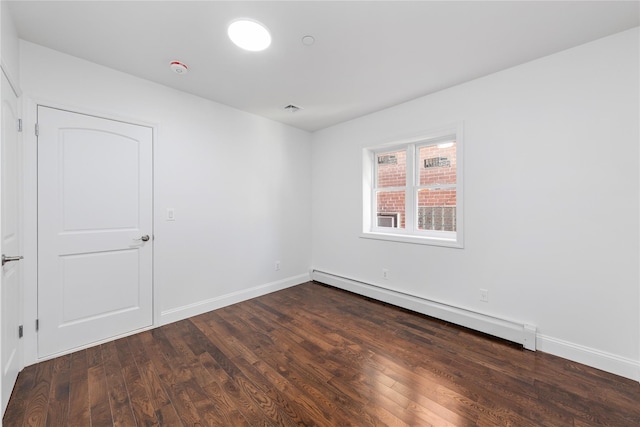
292, 108
178, 67
249, 35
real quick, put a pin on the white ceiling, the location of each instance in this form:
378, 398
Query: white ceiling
367, 55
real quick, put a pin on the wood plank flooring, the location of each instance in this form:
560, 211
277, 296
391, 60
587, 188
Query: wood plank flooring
313, 355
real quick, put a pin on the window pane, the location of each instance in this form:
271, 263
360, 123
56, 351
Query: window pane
390, 208
392, 169
438, 164
437, 209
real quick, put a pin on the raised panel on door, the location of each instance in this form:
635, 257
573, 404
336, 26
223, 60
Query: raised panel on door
113, 291
94, 206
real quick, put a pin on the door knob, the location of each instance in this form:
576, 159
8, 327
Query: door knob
145, 238
6, 259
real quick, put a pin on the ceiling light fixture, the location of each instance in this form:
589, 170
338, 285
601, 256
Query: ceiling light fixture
249, 35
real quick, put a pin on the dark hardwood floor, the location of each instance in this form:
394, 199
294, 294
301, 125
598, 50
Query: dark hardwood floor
314, 355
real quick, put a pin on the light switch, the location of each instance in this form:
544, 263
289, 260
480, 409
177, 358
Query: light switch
171, 215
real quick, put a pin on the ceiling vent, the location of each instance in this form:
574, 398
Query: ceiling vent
292, 108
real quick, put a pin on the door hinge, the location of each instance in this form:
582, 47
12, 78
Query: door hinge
37, 129
37, 324
19, 125
20, 333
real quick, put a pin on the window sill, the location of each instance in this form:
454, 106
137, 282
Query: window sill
418, 240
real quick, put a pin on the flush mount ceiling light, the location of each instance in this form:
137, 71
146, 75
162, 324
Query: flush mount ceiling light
249, 35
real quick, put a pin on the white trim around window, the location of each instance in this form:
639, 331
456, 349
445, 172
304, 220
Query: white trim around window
409, 229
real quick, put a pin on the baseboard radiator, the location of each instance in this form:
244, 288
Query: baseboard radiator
519, 333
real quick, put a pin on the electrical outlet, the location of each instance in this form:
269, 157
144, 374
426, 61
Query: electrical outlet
484, 295
277, 266
385, 274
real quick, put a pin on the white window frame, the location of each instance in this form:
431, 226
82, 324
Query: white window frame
411, 233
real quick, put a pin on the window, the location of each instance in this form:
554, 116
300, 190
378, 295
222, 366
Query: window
413, 190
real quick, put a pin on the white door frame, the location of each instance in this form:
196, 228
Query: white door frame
30, 217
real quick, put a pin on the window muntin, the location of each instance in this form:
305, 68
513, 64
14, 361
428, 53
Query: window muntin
415, 191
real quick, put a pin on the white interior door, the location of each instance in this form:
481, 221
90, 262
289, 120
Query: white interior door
10, 277
94, 229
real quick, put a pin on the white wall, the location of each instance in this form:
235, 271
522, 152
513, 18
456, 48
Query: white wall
551, 201
239, 184
551, 195
9, 45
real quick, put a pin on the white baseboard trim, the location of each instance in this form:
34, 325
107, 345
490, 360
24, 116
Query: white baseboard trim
180, 313
502, 328
506, 329
589, 356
